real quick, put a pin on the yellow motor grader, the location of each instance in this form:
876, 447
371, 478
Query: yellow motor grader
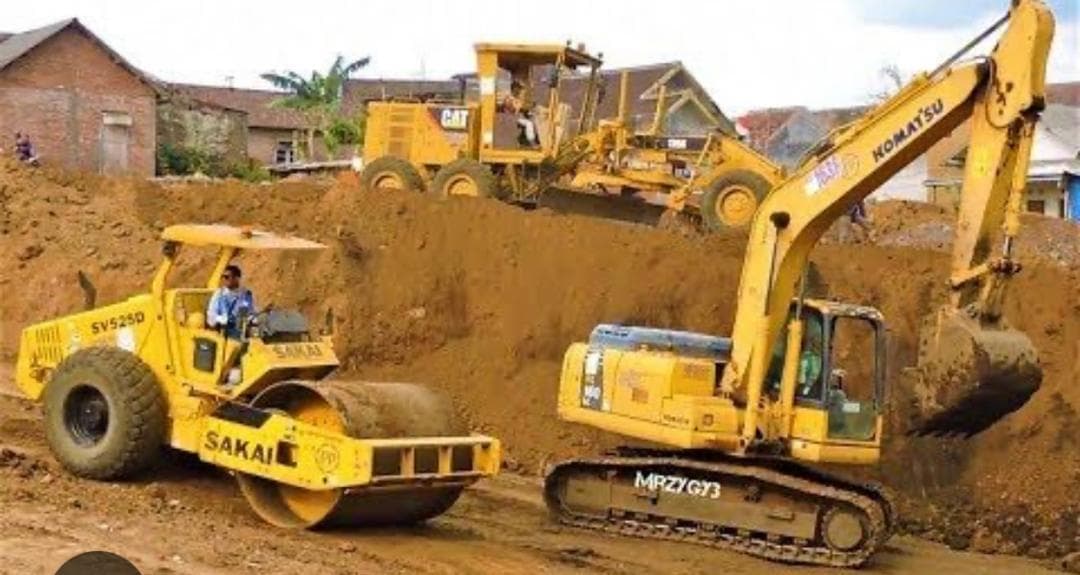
481, 148
118, 382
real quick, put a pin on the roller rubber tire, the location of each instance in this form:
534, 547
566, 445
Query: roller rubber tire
136, 416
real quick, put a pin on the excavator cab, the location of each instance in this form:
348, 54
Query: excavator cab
836, 379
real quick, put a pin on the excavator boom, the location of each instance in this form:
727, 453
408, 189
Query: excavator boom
971, 354
801, 379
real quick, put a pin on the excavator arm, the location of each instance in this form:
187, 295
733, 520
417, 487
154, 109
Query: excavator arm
1001, 95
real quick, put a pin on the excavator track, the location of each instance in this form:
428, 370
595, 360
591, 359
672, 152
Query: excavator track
766, 507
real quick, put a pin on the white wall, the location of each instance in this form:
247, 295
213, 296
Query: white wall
1050, 195
907, 184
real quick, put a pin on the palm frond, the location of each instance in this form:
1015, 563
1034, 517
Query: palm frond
336, 67
280, 81
354, 66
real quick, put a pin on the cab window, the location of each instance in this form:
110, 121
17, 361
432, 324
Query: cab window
851, 391
809, 377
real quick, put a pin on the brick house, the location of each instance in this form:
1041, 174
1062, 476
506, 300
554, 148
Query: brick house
187, 123
274, 134
83, 105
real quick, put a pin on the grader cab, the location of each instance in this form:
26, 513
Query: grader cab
523, 130
476, 146
117, 382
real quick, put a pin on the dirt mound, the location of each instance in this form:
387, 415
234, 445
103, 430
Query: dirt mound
927, 226
480, 299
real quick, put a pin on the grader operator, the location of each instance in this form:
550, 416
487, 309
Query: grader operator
118, 382
519, 138
805, 381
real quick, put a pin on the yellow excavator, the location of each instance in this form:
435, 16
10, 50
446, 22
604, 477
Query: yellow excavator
801, 380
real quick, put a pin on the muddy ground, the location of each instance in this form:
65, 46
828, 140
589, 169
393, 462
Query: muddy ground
480, 299
189, 518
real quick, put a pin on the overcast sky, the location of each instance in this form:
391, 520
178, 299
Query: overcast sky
748, 54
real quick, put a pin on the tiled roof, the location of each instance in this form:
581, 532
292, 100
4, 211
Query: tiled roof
15, 46
1065, 93
761, 124
640, 111
642, 92
258, 104
360, 90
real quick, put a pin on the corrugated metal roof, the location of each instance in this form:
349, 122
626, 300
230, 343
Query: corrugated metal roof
1063, 122
1065, 93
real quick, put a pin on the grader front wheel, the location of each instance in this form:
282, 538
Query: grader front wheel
362, 410
731, 200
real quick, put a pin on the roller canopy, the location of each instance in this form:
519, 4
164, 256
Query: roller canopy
236, 237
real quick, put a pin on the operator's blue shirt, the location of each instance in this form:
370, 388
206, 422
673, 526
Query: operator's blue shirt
225, 308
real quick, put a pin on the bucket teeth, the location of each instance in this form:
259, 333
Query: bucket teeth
973, 414
970, 376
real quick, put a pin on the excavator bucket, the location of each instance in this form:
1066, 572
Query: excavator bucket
971, 375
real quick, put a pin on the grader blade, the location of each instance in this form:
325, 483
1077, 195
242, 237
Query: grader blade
971, 375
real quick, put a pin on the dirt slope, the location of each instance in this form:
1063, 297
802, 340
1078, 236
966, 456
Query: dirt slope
480, 299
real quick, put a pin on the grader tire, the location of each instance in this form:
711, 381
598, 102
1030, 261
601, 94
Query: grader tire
105, 414
465, 178
731, 200
390, 172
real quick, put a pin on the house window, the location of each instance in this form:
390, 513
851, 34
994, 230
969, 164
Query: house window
1036, 206
284, 153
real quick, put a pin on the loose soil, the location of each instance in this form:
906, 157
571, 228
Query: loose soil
480, 299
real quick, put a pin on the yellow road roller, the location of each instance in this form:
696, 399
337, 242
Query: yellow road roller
117, 382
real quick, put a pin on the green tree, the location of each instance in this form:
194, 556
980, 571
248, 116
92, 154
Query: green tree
319, 99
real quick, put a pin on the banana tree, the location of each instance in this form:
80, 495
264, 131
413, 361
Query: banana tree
318, 97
